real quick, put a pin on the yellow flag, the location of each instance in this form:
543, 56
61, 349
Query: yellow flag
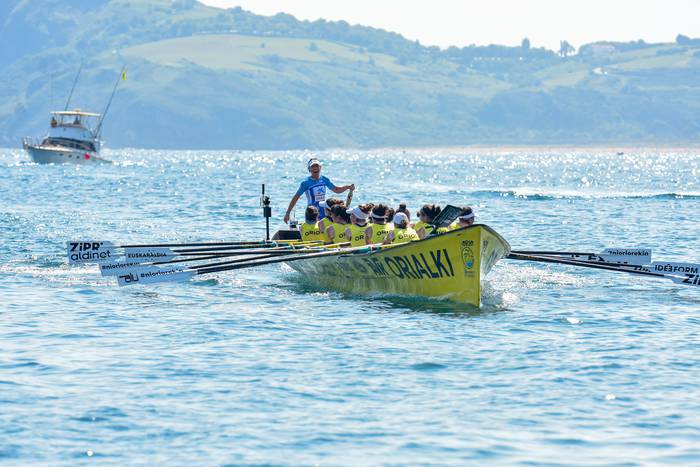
124, 75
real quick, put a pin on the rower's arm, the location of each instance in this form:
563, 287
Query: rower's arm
292, 203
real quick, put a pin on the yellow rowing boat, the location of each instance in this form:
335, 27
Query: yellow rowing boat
449, 266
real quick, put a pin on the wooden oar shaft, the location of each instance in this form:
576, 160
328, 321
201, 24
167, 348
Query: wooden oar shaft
205, 244
555, 253
241, 251
233, 261
287, 259
189, 259
247, 243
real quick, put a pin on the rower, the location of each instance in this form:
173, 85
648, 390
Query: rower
315, 188
310, 230
325, 208
427, 214
336, 230
465, 219
355, 231
376, 231
402, 233
402, 208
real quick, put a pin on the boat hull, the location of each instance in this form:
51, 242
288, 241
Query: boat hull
56, 155
449, 266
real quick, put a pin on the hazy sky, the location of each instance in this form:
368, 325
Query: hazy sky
545, 23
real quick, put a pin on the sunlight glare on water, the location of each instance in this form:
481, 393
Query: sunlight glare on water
558, 366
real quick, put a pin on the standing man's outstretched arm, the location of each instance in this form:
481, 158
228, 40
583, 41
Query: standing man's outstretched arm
340, 189
292, 203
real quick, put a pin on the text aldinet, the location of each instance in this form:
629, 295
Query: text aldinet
434, 264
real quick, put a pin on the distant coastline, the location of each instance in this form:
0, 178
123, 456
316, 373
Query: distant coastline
209, 78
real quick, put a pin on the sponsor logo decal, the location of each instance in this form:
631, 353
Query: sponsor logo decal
468, 254
89, 252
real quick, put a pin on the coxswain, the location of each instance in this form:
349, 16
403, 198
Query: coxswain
335, 231
310, 231
355, 231
376, 231
315, 189
402, 233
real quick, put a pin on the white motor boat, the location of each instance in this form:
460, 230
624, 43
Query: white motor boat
74, 135
72, 138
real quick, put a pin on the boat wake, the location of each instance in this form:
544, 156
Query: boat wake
54, 271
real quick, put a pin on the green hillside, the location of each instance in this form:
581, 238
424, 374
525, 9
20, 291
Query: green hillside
202, 77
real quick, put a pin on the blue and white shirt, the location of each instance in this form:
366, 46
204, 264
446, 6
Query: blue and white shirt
315, 191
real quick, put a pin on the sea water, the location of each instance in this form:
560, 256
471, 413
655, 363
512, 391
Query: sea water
560, 366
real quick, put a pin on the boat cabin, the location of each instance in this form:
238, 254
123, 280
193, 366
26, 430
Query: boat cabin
74, 129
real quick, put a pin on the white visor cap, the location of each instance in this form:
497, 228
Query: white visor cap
400, 218
359, 213
313, 162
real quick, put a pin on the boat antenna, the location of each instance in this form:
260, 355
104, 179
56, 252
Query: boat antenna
75, 81
122, 76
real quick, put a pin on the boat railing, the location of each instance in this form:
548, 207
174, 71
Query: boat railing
28, 141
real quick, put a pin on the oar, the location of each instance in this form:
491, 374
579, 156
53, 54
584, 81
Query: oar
125, 262
680, 277
154, 274
552, 253
104, 252
634, 256
349, 198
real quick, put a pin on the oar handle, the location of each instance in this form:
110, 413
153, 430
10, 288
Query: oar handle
349, 198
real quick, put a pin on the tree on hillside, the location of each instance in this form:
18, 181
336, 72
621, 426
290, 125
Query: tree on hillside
566, 49
525, 44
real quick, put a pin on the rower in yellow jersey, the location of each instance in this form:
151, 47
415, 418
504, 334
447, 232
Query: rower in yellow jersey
402, 233
465, 219
310, 230
377, 231
355, 231
327, 205
336, 230
427, 214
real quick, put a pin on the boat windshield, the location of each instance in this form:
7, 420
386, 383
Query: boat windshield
74, 118
70, 143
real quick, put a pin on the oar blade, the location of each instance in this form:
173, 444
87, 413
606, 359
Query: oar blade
153, 275
692, 280
668, 267
90, 252
632, 256
115, 268
148, 254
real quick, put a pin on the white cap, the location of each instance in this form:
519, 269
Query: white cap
467, 217
313, 162
400, 218
357, 212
